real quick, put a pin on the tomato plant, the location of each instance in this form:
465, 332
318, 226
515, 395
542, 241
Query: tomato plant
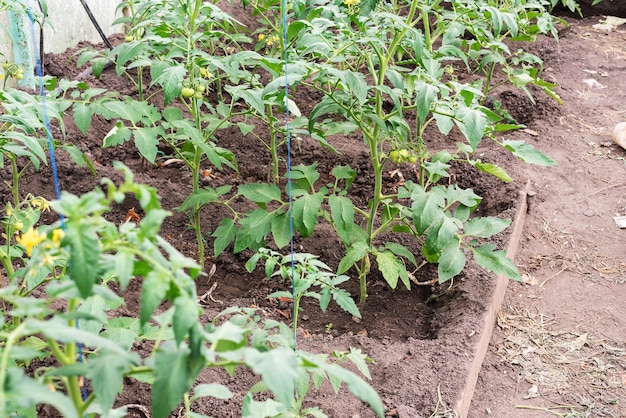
76, 265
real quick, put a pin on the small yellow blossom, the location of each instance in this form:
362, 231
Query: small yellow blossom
47, 260
57, 236
41, 203
204, 72
30, 239
351, 2
261, 36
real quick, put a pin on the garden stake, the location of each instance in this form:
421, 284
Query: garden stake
96, 25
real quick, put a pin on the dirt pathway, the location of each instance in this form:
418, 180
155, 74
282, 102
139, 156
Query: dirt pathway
560, 346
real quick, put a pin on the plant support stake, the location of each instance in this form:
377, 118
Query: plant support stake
96, 25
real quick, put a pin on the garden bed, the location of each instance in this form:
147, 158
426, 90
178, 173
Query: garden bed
422, 341
426, 343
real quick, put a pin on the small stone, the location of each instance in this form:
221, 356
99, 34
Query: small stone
589, 213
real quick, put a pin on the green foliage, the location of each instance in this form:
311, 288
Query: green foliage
34, 328
304, 271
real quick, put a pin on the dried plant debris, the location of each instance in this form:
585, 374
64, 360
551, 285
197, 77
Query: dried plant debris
584, 374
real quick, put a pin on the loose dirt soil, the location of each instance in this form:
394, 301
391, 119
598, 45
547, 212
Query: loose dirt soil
567, 320
559, 348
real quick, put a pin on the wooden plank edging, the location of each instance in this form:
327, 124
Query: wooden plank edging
490, 316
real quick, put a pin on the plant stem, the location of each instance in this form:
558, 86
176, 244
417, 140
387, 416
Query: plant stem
73, 382
487, 85
273, 146
15, 175
4, 364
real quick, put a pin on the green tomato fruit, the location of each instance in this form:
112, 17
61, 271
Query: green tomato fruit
187, 92
19, 76
394, 156
129, 38
198, 95
5, 65
201, 88
412, 159
404, 154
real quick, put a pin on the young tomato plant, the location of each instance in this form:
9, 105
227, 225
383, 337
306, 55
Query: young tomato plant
307, 272
381, 75
75, 266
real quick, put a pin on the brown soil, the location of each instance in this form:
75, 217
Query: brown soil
572, 253
419, 339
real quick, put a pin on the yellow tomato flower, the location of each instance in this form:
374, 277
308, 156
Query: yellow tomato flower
204, 72
30, 239
351, 2
261, 36
57, 236
41, 203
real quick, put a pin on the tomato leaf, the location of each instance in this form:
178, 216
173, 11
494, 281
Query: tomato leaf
495, 261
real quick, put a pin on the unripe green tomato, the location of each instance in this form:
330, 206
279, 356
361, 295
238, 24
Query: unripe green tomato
394, 156
187, 92
19, 76
18, 225
201, 88
198, 95
5, 65
404, 154
412, 159
129, 38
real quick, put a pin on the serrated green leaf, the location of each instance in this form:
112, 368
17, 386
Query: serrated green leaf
305, 211
260, 192
473, 127
124, 336
486, 226
451, 262
213, 390
440, 234
495, 261
359, 359
527, 153
358, 387
224, 235
171, 81
324, 107
82, 116
494, 170
342, 210
281, 230
153, 291
147, 140
355, 253
186, 314
116, 136
26, 392
173, 377
199, 198
402, 251
84, 248
425, 97
106, 373
345, 301
427, 207
277, 367
124, 266
392, 268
